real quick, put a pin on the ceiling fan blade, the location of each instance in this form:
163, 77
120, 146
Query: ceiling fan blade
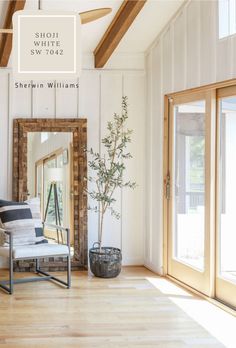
6, 31
85, 17
93, 15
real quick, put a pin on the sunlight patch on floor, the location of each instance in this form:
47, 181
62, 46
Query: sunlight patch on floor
216, 321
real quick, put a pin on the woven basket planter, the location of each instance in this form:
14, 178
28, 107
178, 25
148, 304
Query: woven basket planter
107, 263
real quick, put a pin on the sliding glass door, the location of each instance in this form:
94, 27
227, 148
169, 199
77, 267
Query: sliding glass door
226, 197
201, 190
190, 206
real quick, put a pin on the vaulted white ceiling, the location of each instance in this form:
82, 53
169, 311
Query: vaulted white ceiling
147, 25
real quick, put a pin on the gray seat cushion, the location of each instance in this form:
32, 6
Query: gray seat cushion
36, 250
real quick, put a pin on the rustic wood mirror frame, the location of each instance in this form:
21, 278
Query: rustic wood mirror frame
79, 129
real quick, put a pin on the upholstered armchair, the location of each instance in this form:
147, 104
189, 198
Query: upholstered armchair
22, 237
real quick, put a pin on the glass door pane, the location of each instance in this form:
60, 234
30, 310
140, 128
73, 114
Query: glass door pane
189, 183
228, 188
190, 201
226, 270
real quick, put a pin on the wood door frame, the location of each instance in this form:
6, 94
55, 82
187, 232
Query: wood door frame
224, 288
215, 89
189, 272
78, 127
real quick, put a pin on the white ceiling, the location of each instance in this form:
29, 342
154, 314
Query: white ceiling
147, 25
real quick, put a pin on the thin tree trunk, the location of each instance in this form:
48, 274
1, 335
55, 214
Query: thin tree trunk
101, 230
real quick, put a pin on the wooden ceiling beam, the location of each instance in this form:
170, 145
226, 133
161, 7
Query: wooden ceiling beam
116, 30
6, 39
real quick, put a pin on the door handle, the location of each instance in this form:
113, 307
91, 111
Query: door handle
167, 188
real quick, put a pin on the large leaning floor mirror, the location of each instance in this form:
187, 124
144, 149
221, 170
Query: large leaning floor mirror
50, 165
49, 177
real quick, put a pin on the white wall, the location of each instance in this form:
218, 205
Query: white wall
187, 54
98, 96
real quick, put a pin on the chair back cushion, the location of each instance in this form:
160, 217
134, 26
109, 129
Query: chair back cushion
34, 204
16, 217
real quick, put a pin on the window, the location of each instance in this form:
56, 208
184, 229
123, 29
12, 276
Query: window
44, 137
227, 18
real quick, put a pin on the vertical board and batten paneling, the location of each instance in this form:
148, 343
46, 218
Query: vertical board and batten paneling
193, 44
208, 39
98, 97
179, 54
167, 54
67, 101
153, 257
156, 204
111, 97
192, 56
148, 164
233, 73
89, 107
4, 125
223, 64
4, 139
21, 109
133, 217
43, 102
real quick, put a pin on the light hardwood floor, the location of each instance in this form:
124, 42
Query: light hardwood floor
129, 311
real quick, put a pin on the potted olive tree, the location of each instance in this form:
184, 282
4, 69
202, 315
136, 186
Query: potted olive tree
107, 171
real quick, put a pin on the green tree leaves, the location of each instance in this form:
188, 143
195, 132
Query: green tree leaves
108, 168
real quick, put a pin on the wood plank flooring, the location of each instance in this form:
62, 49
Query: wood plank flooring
128, 311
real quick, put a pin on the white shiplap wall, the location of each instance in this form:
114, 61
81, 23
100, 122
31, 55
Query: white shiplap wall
98, 97
186, 54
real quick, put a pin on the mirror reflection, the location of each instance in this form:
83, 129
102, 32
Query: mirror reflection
49, 176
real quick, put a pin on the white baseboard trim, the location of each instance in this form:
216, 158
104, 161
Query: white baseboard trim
154, 268
125, 262
132, 262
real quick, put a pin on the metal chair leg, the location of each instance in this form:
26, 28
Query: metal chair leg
68, 259
68, 272
11, 282
37, 265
